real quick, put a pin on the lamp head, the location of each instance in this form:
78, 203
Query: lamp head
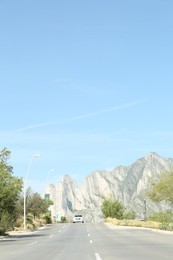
36, 155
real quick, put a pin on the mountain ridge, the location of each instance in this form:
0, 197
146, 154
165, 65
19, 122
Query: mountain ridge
127, 184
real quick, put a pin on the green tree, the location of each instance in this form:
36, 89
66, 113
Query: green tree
10, 190
37, 205
162, 189
112, 208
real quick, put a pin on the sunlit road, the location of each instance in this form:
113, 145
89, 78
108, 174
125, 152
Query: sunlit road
88, 242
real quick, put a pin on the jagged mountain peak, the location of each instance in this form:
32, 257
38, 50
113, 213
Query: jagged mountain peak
67, 178
151, 155
125, 183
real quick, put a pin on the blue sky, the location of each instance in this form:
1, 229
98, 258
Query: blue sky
87, 84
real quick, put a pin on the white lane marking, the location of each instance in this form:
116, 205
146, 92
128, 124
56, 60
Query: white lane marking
98, 256
59, 231
33, 243
63, 226
91, 241
51, 236
88, 235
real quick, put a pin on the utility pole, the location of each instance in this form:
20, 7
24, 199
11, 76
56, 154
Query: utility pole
145, 210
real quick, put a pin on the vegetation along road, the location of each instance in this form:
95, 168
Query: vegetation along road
96, 241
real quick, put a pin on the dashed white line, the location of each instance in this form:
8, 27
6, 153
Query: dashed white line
91, 241
33, 243
51, 236
98, 256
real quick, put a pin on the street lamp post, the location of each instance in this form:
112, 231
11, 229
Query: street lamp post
24, 192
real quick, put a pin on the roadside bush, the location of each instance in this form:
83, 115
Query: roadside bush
19, 222
163, 217
166, 226
5, 222
63, 219
47, 219
29, 219
131, 214
2, 231
112, 208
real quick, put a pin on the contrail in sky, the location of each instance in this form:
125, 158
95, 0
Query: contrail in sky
80, 117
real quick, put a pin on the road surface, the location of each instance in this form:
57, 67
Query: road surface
95, 241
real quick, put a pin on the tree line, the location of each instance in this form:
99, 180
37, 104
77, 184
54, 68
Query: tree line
12, 200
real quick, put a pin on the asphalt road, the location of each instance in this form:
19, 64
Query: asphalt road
88, 242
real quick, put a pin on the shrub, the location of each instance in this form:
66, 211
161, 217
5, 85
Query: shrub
112, 208
47, 219
163, 217
19, 222
5, 223
63, 219
129, 214
166, 226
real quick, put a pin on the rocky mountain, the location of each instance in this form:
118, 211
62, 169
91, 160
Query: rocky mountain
127, 184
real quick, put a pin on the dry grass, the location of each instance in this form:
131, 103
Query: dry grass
134, 223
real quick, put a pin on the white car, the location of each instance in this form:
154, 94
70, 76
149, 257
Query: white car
78, 218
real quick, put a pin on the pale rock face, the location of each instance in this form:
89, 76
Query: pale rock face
126, 184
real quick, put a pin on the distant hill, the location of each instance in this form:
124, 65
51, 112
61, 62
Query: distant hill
125, 183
